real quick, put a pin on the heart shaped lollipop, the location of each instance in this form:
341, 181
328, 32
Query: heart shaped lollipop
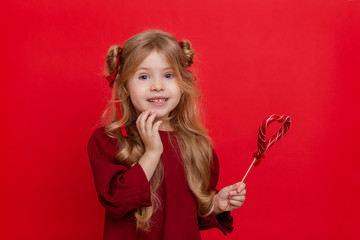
264, 145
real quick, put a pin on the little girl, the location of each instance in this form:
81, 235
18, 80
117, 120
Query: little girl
154, 167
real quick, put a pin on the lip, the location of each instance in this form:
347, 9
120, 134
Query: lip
159, 104
158, 97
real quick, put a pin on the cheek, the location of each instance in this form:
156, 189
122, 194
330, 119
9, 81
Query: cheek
179, 94
178, 98
176, 89
135, 98
135, 92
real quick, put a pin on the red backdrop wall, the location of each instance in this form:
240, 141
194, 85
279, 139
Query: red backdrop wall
253, 58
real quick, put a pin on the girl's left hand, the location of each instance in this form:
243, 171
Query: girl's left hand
233, 195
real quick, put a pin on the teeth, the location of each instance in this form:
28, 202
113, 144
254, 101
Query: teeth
157, 100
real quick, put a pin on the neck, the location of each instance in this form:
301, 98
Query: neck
165, 126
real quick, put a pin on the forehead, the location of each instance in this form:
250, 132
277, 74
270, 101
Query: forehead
155, 60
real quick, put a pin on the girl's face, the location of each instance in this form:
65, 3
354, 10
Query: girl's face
153, 86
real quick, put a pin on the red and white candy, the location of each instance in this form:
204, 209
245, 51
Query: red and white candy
262, 144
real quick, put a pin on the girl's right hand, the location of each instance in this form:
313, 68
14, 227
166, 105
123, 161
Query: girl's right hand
149, 132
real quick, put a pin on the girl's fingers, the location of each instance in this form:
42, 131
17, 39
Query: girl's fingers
138, 118
241, 187
238, 198
156, 126
237, 187
236, 193
149, 123
143, 116
236, 203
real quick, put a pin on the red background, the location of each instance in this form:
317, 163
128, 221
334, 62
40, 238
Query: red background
253, 58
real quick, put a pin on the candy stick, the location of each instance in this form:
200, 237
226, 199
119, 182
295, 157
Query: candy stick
228, 206
248, 170
263, 145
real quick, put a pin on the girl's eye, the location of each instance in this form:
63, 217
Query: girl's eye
169, 75
143, 77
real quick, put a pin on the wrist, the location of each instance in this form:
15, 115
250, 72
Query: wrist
153, 155
217, 210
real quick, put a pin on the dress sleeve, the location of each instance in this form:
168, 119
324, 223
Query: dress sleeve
120, 189
222, 221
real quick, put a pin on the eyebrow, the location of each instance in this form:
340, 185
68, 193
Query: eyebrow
147, 69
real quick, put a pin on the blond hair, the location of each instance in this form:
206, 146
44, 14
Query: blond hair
192, 137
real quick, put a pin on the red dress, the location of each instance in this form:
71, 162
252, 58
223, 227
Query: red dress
121, 190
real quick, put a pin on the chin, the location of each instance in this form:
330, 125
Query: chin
161, 115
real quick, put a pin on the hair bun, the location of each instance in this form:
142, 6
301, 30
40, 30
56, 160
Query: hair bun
111, 59
188, 52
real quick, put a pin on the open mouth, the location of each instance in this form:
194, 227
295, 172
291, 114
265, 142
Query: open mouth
158, 100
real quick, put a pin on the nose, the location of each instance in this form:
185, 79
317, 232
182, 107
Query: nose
157, 84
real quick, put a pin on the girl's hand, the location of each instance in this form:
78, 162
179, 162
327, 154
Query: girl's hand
149, 132
233, 195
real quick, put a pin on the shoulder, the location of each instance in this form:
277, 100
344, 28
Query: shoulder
100, 142
98, 135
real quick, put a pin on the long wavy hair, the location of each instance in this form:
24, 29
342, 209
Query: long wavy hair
192, 137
